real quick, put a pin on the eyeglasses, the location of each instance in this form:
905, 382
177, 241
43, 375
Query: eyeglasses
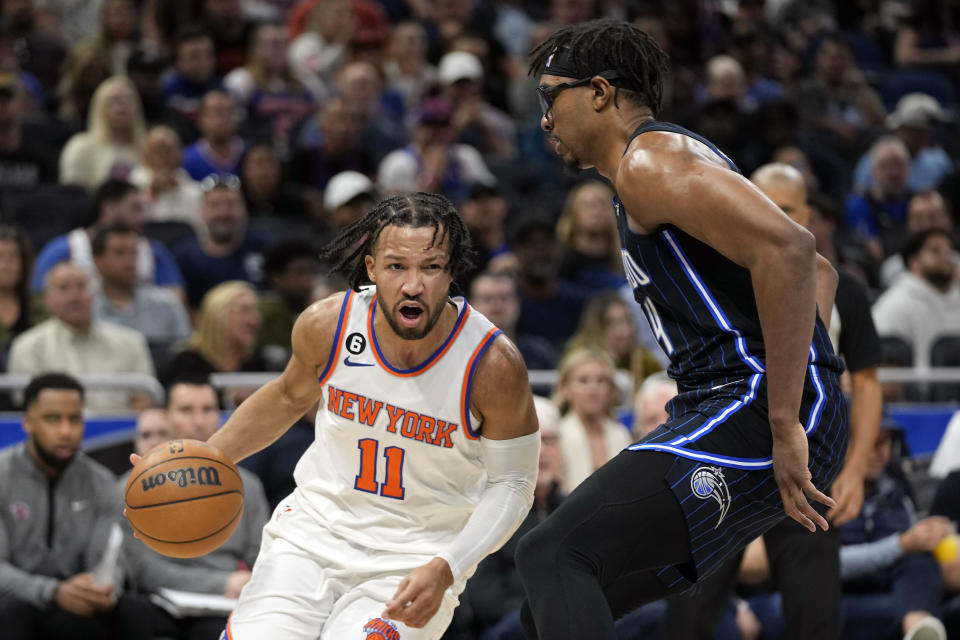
220, 181
547, 94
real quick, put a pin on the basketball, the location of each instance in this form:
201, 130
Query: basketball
184, 498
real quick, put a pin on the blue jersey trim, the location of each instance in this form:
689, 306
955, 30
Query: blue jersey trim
426, 363
739, 463
473, 369
331, 361
715, 310
722, 417
817, 409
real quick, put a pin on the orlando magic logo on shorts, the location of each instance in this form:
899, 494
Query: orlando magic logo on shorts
708, 483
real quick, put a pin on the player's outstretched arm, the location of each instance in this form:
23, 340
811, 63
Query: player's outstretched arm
269, 412
511, 448
675, 180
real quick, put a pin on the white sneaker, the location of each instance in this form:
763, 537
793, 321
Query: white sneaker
928, 628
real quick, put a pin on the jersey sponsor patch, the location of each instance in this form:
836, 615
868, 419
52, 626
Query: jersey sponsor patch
380, 629
708, 483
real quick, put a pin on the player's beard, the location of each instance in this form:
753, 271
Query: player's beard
47, 458
413, 333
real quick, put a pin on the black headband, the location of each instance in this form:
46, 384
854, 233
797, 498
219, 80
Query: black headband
560, 63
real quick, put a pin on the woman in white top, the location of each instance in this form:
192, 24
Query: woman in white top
586, 395
109, 147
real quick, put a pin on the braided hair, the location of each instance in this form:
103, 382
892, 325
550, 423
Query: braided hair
610, 45
347, 251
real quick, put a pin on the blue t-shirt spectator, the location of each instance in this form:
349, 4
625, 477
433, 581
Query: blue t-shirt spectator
203, 272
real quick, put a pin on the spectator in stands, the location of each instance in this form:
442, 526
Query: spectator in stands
407, 70
475, 121
361, 84
926, 210
219, 149
914, 122
586, 394
329, 143
110, 145
925, 301
726, 80
115, 201
74, 341
266, 88
485, 213
154, 312
925, 38
25, 163
114, 38
153, 427
322, 48
61, 507
274, 465
607, 324
224, 339
495, 296
837, 102
880, 214
231, 31
17, 311
550, 306
290, 266
650, 403
891, 582
194, 71
227, 249
590, 241
192, 410
494, 593
266, 191
41, 50
348, 196
946, 503
169, 193
433, 161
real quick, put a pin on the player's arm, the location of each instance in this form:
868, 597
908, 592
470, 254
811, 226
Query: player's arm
269, 412
827, 280
676, 183
511, 449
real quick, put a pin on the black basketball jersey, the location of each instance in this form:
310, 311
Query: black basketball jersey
700, 305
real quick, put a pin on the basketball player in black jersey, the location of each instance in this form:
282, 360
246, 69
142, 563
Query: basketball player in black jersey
730, 287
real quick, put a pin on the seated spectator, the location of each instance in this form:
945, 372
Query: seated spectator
495, 296
61, 507
946, 503
926, 210
267, 89
650, 402
360, 83
231, 31
494, 594
265, 189
154, 312
290, 266
17, 311
925, 301
227, 249
192, 411
586, 394
114, 37
348, 196
225, 337
880, 214
194, 72
109, 147
115, 201
550, 306
914, 122
891, 582
475, 122
590, 241
153, 428
407, 70
219, 149
274, 466
322, 48
25, 163
76, 342
169, 193
607, 324
331, 142
433, 161
485, 213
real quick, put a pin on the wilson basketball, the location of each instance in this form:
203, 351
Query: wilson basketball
184, 498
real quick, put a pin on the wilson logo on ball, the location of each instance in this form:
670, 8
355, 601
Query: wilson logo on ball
183, 477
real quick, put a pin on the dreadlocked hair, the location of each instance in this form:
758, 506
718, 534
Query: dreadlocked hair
347, 251
610, 45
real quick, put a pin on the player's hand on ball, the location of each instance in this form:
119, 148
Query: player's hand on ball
419, 596
793, 477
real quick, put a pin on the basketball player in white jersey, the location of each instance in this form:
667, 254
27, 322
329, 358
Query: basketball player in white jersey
426, 449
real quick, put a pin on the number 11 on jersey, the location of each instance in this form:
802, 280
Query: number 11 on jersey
392, 486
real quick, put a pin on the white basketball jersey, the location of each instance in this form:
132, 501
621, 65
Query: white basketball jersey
396, 464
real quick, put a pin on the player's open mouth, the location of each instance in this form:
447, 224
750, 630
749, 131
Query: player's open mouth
410, 313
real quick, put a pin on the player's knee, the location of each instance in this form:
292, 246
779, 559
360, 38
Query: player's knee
534, 553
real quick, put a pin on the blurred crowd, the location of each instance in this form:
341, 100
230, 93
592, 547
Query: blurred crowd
170, 168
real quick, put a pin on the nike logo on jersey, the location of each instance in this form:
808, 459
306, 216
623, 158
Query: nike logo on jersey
350, 363
726, 384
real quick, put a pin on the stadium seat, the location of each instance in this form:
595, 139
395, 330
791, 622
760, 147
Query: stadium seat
895, 352
169, 232
895, 84
47, 211
945, 352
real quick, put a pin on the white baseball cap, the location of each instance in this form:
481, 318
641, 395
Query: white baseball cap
917, 110
344, 187
459, 65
